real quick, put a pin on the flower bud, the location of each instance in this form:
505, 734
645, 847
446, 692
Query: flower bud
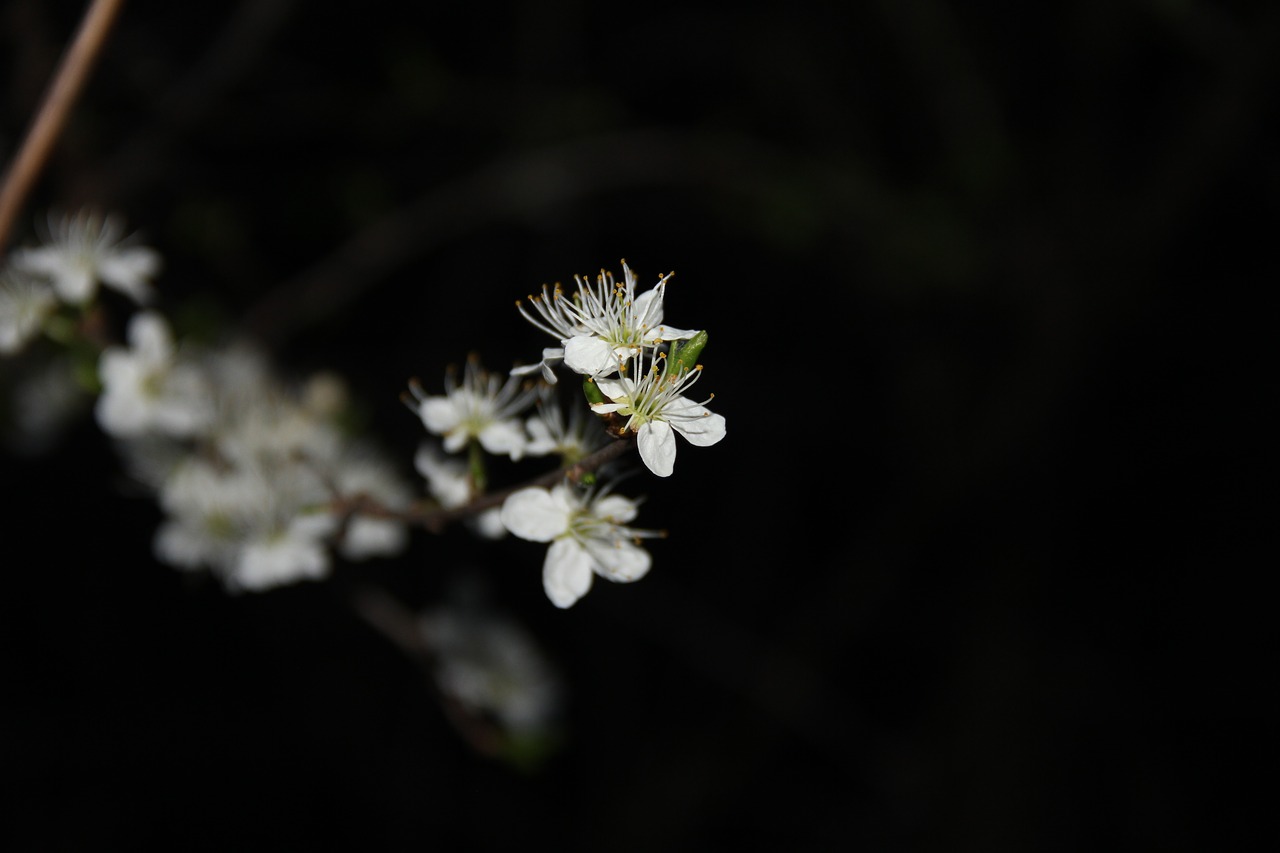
683, 358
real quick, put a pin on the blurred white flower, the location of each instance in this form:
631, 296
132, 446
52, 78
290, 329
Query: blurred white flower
492, 667
360, 472
82, 251
256, 498
446, 476
249, 523
484, 408
24, 305
449, 482
550, 433
146, 388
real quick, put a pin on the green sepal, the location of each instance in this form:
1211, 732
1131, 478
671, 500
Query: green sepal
592, 392
683, 357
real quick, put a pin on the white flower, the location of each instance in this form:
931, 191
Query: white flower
254, 500
588, 535
360, 472
81, 251
549, 433
450, 483
493, 667
656, 409
24, 304
447, 477
146, 388
249, 523
289, 554
483, 408
600, 323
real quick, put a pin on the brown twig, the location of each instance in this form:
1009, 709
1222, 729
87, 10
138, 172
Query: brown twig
56, 105
436, 519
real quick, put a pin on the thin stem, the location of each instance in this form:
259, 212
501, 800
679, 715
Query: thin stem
67, 84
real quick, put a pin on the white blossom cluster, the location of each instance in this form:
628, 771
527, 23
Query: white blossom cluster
616, 340
260, 485
245, 466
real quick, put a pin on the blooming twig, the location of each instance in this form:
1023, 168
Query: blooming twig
435, 519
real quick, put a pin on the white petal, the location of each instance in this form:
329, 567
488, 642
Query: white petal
456, 440
657, 447
149, 335
642, 306
264, 564
128, 270
589, 355
668, 333
41, 261
702, 431
534, 514
75, 285
503, 438
489, 524
612, 388
622, 561
566, 573
370, 537
616, 508
438, 414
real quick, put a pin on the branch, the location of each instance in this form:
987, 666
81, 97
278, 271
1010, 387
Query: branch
67, 84
436, 519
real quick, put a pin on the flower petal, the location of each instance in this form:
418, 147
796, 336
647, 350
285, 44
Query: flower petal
616, 508
503, 438
439, 415
589, 355
534, 514
612, 388
622, 561
657, 445
566, 573
702, 432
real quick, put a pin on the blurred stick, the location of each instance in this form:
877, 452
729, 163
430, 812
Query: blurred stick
56, 105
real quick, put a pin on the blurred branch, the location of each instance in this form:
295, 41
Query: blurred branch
143, 157
528, 184
55, 107
436, 519
524, 183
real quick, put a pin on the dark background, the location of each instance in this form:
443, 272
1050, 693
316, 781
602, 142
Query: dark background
974, 568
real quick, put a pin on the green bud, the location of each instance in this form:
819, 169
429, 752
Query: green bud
684, 357
593, 394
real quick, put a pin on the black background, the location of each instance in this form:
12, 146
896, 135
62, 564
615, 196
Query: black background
975, 567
